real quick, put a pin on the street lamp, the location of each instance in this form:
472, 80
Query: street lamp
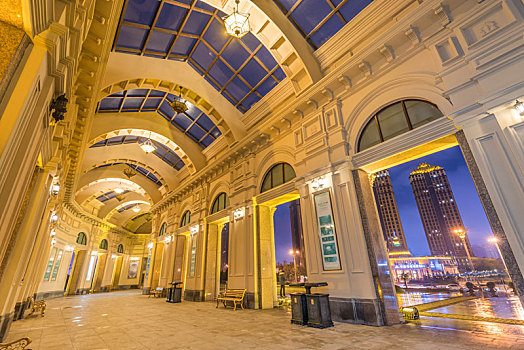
495, 241
294, 253
462, 235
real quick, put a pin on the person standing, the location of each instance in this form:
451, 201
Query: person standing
282, 281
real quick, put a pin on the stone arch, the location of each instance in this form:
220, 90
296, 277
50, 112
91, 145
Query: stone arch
283, 154
411, 86
130, 161
219, 187
173, 88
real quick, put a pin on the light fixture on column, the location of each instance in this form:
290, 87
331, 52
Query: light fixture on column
519, 106
147, 145
52, 233
53, 218
193, 229
318, 183
179, 105
55, 188
237, 24
53, 241
239, 213
150, 245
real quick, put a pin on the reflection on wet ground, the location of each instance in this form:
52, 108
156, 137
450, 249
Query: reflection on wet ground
414, 298
503, 307
471, 326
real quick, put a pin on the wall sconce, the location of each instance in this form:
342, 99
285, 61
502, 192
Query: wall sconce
239, 213
150, 245
52, 233
94, 252
193, 229
53, 241
318, 183
114, 256
70, 248
55, 188
53, 218
519, 106
167, 239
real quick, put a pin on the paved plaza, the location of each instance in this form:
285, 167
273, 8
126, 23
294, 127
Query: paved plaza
129, 320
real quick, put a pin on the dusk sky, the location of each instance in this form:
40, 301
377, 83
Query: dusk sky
463, 189
283, 242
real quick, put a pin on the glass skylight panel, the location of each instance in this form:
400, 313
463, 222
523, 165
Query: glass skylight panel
161, 150
193, 31
319, 20
145, 100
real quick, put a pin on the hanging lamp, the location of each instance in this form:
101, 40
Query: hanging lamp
237, 24
179, 106
147, 145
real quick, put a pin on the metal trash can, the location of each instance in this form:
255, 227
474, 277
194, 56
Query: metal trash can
174, 294
318, 310
298, 308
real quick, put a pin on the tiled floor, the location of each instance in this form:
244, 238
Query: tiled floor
128, 320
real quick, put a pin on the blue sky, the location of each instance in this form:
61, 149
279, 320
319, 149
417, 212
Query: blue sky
461, 184
466, 196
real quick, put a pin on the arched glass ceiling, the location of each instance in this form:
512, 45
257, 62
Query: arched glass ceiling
139, 169
194, 123
319, 20
242, 70
110, 195
162, 151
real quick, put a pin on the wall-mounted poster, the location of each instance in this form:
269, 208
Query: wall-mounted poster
328, 236
133, 269
193, 256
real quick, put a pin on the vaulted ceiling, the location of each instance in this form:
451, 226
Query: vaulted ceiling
177, 50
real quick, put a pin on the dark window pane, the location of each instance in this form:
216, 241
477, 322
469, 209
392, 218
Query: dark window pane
370, 136
289, 173
278, 175
392, 121
421, 112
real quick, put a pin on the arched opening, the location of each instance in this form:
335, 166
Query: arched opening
221, 202
103, 244
186, 219
396, 119
277, 175
120, 249
81, 238
163, 229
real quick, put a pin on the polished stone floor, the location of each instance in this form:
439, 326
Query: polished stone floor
128, 320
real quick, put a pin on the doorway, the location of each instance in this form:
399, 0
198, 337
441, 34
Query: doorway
223, 248
116, 273
442, 252
281, 249
77, 262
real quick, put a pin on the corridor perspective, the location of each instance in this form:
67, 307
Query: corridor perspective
319, 174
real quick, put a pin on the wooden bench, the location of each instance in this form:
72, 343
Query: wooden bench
19, 344
36, 306
234, 295
157, 292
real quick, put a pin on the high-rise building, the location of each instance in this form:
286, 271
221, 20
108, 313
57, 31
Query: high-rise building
388, 212
439, 213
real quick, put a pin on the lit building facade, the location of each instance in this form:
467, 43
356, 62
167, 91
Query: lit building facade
419, 268
439, 213
100, 192
388, 212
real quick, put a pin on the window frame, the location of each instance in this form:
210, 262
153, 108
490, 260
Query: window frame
269, 175
103, 247
186, 218
163, 229
120, 249
374, 119
216, 202
81, 238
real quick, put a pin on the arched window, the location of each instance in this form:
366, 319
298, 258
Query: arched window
81, 238
103, 244
396, 119
186, 219
278, 174
163, 229
120, 249
221, 202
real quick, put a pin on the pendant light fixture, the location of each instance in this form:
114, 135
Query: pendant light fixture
147, 145
179, 106
237, 24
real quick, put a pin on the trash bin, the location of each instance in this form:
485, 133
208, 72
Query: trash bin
298, 308
174, 293
318, 311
